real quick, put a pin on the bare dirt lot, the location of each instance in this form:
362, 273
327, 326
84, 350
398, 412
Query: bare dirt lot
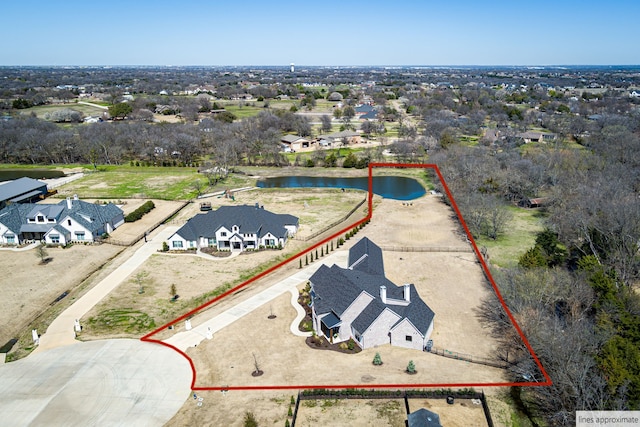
452, 283
32, 287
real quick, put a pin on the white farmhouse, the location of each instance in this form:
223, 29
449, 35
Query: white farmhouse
235, 228
71, 220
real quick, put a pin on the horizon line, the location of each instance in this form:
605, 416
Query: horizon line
324, 66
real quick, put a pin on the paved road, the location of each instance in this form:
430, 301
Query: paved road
98, 383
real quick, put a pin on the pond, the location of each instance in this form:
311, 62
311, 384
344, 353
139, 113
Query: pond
10, 174
390, 187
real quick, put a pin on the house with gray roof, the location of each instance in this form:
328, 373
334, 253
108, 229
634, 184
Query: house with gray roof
22, 190
360, 303
235, 228
71, 220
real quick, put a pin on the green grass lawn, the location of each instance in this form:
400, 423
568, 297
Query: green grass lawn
518, 238
168, 183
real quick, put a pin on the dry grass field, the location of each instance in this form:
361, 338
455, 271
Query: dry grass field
31, 287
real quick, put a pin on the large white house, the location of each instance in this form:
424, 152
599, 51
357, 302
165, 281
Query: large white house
71, 220
235, 228
360, 303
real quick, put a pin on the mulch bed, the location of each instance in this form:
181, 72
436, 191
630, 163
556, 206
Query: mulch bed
321, 343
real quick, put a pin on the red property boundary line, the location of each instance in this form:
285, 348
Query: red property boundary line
546, 382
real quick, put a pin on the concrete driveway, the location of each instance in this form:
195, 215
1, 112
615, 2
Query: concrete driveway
98, 383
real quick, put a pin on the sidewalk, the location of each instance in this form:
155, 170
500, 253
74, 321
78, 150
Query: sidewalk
61, 330
185, 339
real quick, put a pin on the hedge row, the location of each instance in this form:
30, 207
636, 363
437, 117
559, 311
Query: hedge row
140, 212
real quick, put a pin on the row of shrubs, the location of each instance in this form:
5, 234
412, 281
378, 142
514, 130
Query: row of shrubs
140, 212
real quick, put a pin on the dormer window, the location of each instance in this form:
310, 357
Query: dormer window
40, 218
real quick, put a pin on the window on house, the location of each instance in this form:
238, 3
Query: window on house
223, 234
79, 235
408, 338
177, 243
69, 222
55, 238
40, 218
11, 238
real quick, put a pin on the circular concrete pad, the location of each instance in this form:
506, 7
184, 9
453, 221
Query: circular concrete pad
112, 382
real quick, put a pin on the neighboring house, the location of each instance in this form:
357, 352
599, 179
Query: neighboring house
531, 136
366, 112
292, 143
359, 302
536, 202
71, 220
22, 190
340, 138
235, 228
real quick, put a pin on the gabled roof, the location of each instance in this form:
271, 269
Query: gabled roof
13, 216
366, 256
91, 216
49, 211
249, 219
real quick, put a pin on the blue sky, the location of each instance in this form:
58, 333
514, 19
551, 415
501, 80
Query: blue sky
346, 32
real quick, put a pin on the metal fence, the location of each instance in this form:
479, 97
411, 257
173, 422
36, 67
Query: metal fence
469, 358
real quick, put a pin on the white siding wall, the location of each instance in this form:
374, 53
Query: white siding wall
4, 230
351, 313
378, 332
401, 331
221, 239
62, 239
74, 228
177, 238
291, 229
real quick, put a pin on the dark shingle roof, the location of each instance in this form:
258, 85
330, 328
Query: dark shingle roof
367, 257
335, 288
91, 216
249, 219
